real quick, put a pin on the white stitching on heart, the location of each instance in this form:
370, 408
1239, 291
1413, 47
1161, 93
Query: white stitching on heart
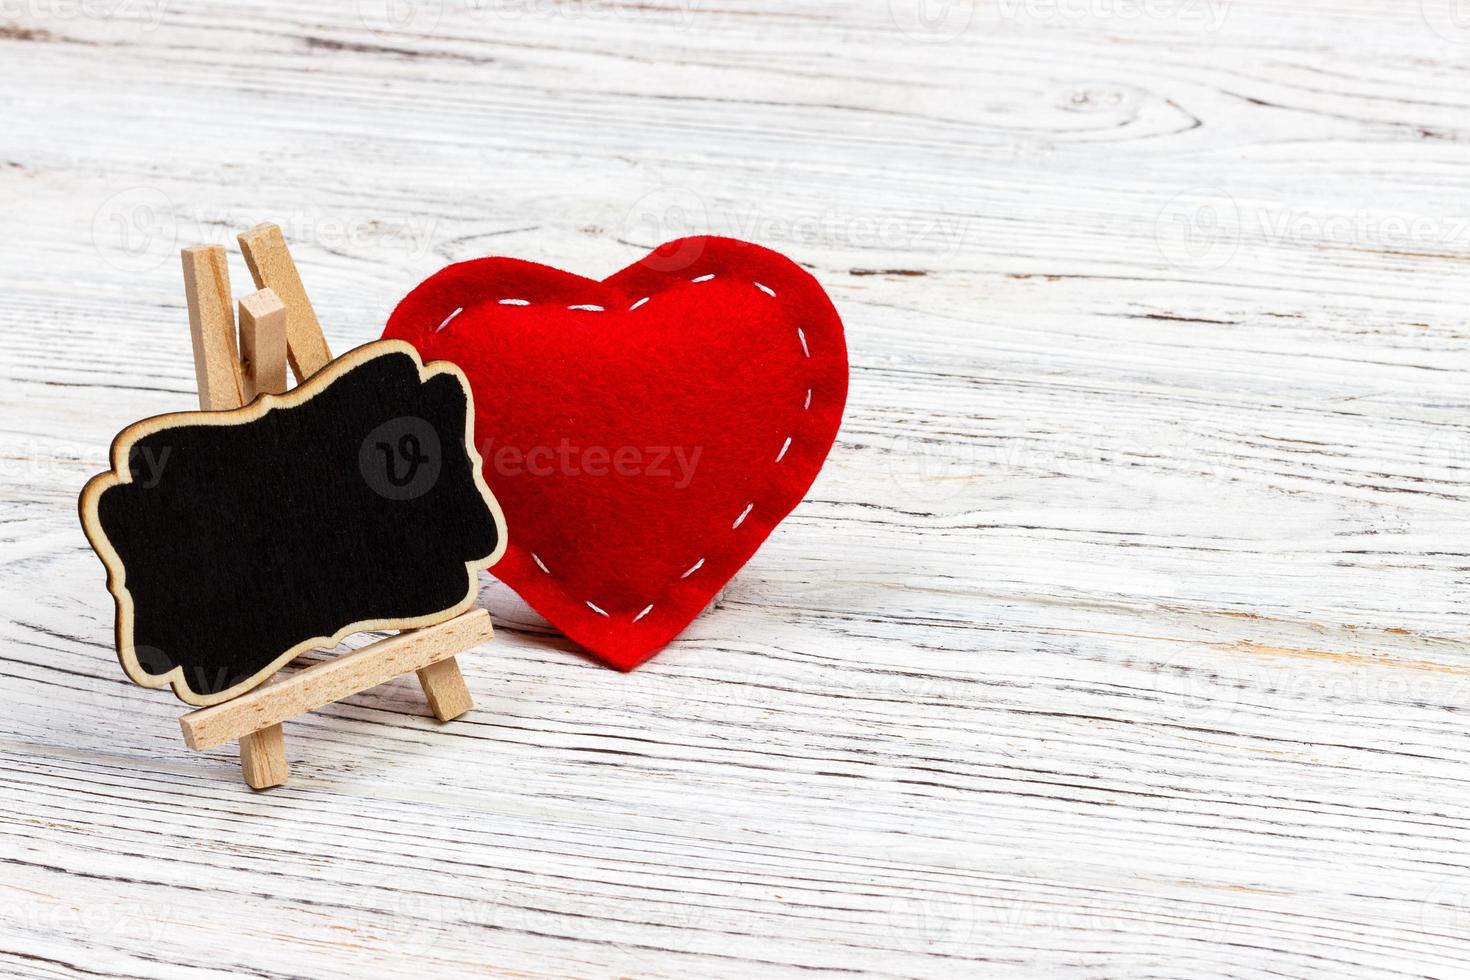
594, 308
451, 316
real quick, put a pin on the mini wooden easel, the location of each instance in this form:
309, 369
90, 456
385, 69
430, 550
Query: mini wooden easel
277, 326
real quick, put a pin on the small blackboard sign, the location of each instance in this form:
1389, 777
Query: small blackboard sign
236, 540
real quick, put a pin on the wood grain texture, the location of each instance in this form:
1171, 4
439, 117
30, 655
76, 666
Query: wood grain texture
212, 327
262, 319
1124, 634
269, 259
444, 686
263, 758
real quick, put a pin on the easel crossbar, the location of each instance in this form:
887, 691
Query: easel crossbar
332, 680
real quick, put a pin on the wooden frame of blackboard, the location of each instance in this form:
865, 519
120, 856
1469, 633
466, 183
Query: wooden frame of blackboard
266, 338
277, 323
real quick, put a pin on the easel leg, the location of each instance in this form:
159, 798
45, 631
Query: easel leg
444, 686
263, 758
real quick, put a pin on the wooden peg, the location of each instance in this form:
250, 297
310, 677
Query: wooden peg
263, 758
271, 266
445, 688
212, 326
263, 343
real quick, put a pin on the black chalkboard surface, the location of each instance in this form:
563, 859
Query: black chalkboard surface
235, 540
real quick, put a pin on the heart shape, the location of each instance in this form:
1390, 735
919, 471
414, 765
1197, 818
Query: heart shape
643, 434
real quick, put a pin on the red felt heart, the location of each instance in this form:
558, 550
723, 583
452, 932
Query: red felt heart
643, 434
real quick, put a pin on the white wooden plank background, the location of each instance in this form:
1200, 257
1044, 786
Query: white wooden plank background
1123, 635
